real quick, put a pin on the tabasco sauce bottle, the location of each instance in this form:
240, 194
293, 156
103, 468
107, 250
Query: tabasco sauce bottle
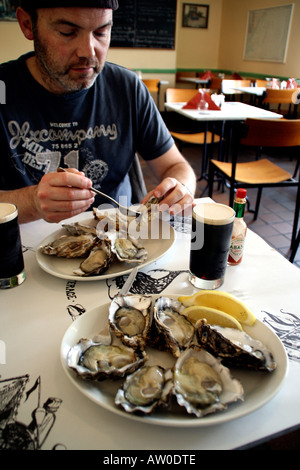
239, 228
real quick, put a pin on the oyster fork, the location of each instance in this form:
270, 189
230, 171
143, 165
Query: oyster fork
123, 209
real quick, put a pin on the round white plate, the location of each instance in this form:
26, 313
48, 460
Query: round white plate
163, 238
259, 387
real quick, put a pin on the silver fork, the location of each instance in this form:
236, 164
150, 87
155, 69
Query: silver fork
123, 209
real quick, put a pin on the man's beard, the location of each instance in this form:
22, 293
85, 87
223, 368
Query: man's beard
54, 76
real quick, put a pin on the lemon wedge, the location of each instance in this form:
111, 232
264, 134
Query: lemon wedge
221, 301
213, 316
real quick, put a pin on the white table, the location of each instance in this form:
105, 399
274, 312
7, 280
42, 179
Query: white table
252, 90
35, 316
196, 81
231, 111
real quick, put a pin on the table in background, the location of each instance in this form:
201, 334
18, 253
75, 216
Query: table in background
196, 81
231, 112
35, 316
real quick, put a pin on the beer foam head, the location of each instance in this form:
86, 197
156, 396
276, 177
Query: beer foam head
213, 213
7, 212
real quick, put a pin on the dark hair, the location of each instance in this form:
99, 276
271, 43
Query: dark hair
31, 5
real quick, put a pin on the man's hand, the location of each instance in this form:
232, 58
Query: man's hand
176, 196
59, 196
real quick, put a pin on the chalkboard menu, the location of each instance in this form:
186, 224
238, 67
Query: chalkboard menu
144, 23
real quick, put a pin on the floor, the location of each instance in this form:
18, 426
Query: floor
275, 219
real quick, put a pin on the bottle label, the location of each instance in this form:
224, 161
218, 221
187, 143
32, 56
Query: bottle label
236, 248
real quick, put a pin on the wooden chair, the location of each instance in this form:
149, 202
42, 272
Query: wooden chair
188, 134
262, 83
186, 131
287, 97
228, 87
153, 86
215, 84
261, 133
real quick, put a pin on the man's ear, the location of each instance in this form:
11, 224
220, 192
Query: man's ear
25, 23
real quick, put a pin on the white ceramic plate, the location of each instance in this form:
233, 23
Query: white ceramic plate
260, 387
163, 237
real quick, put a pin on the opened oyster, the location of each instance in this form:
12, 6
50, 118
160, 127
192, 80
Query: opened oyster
151, 206
176, 331
98, 260
202, 384
234, 347
130, 319
129, 250
145, 389
69, 246
99, 361
78, 228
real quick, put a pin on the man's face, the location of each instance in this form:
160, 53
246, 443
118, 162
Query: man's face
71, 46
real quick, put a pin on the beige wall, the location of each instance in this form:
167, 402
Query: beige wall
218, 47
233, 33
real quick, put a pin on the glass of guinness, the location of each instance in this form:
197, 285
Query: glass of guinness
12, 271
212, 225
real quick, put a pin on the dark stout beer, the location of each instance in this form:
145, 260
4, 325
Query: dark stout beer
210, 241
11, 256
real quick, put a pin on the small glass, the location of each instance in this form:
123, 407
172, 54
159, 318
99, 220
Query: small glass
212, 226
12, 272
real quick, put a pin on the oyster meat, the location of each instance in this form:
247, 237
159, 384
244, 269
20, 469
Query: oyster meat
202, 384
69, 246
130, 319
98, 260
78, 228
98, 361
145, 389
129, 250
234, 347
176, 331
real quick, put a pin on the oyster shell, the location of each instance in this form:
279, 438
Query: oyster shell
69, 246
176, 331
78, 228
151, 207
129, 250
130, 319
234, 347
98, 361
202, 384
98, 260
145, 389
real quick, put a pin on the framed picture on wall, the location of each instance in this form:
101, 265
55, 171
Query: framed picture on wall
195, 15
8, 10
269, 27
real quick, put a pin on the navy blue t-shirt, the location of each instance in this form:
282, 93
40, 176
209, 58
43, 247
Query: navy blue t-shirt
97, 130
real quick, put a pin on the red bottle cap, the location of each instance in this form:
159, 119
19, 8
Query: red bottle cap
241, 193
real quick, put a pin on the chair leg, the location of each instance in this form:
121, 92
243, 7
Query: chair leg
258, 198
211, 172
295, 248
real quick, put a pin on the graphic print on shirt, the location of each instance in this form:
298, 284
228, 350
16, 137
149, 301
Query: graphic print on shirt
63, 144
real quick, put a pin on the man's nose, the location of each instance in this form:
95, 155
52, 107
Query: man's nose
86, 46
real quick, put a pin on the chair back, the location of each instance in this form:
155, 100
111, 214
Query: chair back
152, 84
272, 133
288, 96
215, 84
179, 95
262, 83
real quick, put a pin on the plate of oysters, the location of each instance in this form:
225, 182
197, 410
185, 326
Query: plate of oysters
144, 357
106, 245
